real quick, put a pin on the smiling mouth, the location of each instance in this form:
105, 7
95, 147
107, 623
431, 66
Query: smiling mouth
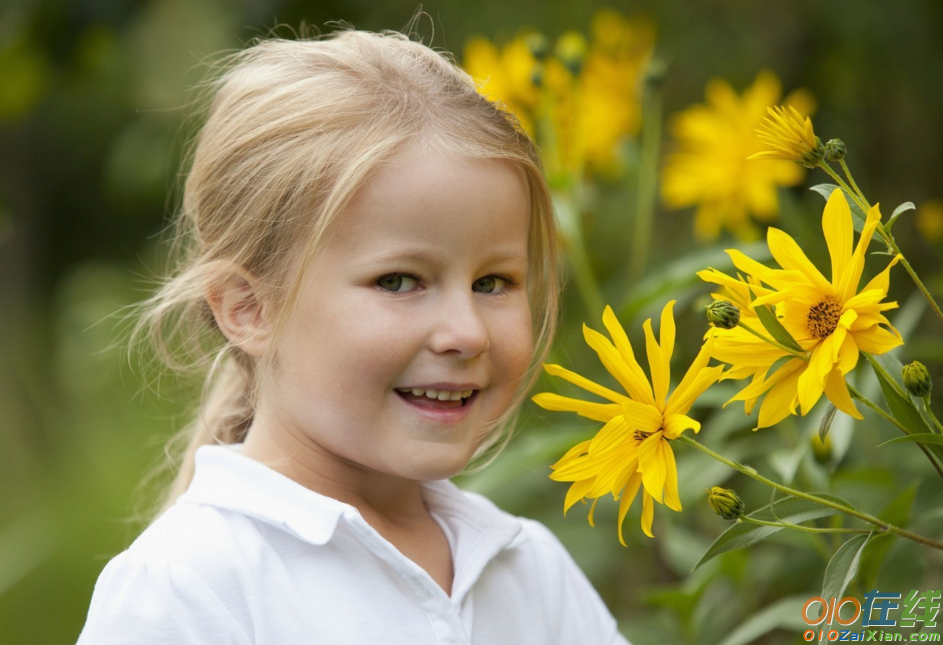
437, 399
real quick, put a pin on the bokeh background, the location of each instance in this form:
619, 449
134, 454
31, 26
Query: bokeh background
94, 100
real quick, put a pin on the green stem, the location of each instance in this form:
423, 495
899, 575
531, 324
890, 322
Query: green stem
585, 279
753, 474
876, 408
803, 355
798, 527
929, 451
892, 245
926, 408
569, 209
887, 237
647, 178
851, 180
862, 204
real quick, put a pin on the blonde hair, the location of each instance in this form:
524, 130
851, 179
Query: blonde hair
293, 131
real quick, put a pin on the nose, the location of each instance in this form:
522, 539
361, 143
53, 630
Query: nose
459, 327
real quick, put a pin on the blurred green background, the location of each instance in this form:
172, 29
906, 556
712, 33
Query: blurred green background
93, 104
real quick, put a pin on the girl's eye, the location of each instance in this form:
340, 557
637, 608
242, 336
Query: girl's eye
397, 282
489, 284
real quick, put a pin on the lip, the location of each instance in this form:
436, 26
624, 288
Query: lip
448, 387
445, 416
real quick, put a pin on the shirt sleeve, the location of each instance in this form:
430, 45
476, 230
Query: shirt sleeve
158, 603
581, 615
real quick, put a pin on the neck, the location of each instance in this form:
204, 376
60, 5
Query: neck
376, 495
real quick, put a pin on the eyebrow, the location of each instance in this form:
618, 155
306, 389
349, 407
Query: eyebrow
423, 257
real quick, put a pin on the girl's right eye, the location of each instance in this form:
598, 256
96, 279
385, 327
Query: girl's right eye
398, 282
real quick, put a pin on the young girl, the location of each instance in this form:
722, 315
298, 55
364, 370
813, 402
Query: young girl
371, 244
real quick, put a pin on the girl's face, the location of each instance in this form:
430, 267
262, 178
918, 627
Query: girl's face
412, 330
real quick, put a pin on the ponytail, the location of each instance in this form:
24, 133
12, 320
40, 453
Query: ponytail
224, 416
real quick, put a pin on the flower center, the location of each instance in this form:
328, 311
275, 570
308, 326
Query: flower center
823, 318
641, 435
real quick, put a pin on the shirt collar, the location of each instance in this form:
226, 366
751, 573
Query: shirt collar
226, 479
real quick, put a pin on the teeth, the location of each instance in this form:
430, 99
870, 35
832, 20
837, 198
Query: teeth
440, 395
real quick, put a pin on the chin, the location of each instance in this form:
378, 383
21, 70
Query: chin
442, 467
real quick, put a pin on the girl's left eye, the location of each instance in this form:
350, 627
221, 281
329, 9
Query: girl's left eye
489, 284
397, 282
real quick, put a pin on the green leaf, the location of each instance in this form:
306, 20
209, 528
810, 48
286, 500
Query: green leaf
898, 401
858, 216
843, 566
783, 614
923, 437
826, 424
775, 328
900, 210
790, 509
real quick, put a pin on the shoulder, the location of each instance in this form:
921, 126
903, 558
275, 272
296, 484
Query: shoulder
537, 574
178, 581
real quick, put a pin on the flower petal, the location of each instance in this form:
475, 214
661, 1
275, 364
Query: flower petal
839, 233
848, 287
612, 434
780, 401
643, 390
595, 411
648, 513
634, 383
641, 416
651, 462
628, 496
672, 500
576, 492
877, 340
837, 392
659, 356
824, 357
585, 383
882, 280
791, 257
678, 423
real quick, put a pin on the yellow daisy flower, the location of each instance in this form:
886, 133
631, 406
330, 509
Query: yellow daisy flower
790, 136
505, 76
580, 101
633, 449
709, 167
831, 320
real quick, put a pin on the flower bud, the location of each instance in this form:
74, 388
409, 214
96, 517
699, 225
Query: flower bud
537, 76
571, 50
725, 503
835, 150
811, 158
723, 314
537, 44
917, 379
822, 450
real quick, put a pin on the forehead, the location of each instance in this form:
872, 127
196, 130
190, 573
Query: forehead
435, 200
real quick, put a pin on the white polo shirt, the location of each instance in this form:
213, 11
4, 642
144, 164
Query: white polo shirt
248, 556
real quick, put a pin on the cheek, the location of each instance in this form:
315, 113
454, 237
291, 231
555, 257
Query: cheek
515, 341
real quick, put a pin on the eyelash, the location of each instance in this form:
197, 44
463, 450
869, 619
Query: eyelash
508, 282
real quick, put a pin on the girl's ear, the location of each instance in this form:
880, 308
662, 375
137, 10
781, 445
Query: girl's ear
239, 310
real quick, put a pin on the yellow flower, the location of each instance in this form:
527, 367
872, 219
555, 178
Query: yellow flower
831, 320
709, 167
632, 449
506, 76
584, 102
790, 136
